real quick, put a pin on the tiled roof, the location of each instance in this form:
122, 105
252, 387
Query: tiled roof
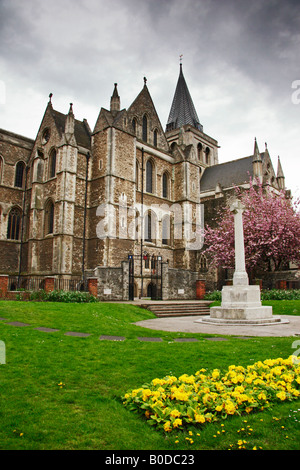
182, 110
228, 174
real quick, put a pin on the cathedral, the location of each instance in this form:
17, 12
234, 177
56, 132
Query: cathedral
123, 203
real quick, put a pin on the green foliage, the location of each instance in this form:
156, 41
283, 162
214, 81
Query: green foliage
273, 294
278, 294
215, 295
63, 296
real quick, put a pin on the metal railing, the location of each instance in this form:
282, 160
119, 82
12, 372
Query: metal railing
34, 284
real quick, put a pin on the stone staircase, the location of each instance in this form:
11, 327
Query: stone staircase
179, 309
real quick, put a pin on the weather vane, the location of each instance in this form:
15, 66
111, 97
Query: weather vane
180, 59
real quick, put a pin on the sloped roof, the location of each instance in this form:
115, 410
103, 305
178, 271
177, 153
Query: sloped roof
81, 131
182, 110
228, 174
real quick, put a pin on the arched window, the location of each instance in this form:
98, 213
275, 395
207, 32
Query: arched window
19, 175
14, 224
153, 262
203, 264
199, 151
145, 128
165, 185
149, 177
52, 164
148, 227
49, 217
207, 152
134, 125
155, 138
166, 230
137, 170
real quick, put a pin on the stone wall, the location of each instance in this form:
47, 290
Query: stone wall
181, 284
113, 283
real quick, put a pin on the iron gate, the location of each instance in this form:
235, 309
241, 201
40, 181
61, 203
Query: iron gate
145, 274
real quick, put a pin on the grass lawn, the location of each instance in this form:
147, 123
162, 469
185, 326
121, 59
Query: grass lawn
63, 392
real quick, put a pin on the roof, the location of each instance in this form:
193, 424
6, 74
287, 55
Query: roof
81, 131
228, 174
182, 110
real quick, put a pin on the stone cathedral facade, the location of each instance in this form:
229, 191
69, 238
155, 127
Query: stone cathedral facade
79, 202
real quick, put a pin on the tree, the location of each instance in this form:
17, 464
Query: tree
271, 231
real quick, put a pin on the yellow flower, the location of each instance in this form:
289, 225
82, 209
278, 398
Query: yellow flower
146, 393
167, 426
199, 418
158, 382
229, 407
281, 395
262, 396
177, 422
175, 414
215, 374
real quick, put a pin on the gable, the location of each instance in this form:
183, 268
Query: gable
143, 106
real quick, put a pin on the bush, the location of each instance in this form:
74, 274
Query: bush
63, 296
278, 294
215, 295
273, 294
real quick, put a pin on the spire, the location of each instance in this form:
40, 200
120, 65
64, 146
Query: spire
257, 163
182, 110
280, 176
256, 154
69, 137
115, 102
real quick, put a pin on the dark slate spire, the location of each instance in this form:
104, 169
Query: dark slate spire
182, 110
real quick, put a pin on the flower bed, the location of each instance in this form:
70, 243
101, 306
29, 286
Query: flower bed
172, 403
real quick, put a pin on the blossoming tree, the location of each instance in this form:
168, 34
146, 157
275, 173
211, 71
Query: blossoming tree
271, 231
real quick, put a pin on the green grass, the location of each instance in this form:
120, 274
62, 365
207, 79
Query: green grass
86, 411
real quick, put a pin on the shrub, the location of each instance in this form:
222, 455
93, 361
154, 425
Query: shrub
278, 294
273, 294
215, 295
63, 296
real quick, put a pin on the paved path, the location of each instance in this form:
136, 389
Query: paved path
189, 325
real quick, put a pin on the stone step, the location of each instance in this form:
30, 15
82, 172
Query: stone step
179, 309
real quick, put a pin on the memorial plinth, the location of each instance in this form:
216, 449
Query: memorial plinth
241, 303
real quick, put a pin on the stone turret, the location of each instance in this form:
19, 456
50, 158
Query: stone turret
70, 127
115, 102
257, 163
280, 176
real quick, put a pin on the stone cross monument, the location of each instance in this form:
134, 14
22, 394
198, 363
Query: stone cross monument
240, 277
241, 303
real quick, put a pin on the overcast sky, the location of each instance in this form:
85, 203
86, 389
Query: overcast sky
241, 60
